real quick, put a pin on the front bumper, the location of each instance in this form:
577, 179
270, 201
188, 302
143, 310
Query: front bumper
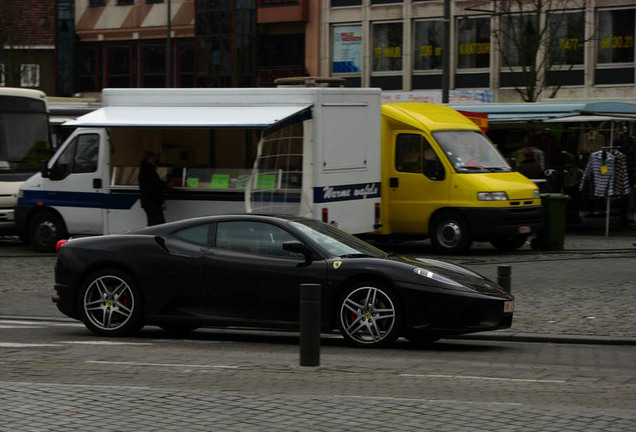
489, 223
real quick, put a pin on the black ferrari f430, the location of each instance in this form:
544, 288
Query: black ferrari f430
247, 270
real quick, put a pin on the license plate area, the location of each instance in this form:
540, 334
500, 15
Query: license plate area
509, 306
525, 229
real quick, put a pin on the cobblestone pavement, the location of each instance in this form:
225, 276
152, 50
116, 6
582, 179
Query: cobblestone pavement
585, 293
51, 407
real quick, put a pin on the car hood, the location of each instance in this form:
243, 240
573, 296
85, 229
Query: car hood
459, 274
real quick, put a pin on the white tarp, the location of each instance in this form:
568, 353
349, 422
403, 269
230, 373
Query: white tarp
187, 116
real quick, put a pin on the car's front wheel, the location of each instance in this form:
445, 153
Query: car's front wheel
369, 315
45, 229
111, 304
450, 233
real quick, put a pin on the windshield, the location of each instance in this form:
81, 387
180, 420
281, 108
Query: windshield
336, 242
24, 141
470, 151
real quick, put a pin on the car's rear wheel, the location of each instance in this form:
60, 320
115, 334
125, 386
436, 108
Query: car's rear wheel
111, 304
369, 315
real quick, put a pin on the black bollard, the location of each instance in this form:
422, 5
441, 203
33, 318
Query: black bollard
310, 324
504, 276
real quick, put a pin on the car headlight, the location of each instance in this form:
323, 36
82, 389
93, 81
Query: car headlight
439, 278
492, 196
536, 194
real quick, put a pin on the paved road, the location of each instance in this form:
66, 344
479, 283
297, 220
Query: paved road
55, 376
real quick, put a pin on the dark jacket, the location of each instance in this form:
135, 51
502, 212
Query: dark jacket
151, 187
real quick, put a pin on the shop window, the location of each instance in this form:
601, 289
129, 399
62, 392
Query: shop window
473, 43
346, 55
615, 47
428, 44
567, 38
89, 68
616, 36
387, 47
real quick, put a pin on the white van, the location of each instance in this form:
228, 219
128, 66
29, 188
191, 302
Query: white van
306, 151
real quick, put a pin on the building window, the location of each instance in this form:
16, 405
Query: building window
387, 47
153, 64
616, 36
119, 66
473, 43
125, 2
346, 55
96, 3
519, 40
154, 1
567, 38
30, 75
427, 43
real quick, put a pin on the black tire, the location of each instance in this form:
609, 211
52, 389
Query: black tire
110, 303
510, 243
450, 233
45, 230
369, 315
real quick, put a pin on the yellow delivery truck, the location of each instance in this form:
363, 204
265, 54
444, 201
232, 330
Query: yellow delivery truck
443, 178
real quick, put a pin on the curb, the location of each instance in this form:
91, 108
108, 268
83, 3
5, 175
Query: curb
549, 338
486, 336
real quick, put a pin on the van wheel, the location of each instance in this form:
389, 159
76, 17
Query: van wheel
450, 233
510, 243
45, 230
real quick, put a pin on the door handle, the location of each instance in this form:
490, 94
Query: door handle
394, 182
97, 183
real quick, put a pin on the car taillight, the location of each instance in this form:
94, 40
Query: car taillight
59, 244
325, 215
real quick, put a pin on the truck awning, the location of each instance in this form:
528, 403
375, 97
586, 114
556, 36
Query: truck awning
188, 116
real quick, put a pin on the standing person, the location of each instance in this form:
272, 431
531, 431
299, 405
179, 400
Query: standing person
151, 189
529, 166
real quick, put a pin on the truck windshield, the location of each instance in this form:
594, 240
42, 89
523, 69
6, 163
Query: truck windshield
24, 140
470, 151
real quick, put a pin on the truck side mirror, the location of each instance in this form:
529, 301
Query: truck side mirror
44, 170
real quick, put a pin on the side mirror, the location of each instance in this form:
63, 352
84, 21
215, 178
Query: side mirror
297, 247
44, 170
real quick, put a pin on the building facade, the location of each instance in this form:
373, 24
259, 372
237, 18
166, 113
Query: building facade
569, 48
28, 44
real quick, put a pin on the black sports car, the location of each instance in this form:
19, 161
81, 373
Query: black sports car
246, 271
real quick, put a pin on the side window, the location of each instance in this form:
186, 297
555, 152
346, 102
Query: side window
199, 234
433, 167
408, 153
80, 156
64, 163
86, 154
254, 237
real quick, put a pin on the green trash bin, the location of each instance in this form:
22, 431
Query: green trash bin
552, 234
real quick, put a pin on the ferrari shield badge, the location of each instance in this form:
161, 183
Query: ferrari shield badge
337, 264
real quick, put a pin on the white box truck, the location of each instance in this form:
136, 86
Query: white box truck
308, 151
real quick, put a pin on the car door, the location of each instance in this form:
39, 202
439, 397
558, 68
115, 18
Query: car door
418, 184
76, 184
251, 277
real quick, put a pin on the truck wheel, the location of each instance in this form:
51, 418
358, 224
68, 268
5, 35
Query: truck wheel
450, 233
45, 230
510, 243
